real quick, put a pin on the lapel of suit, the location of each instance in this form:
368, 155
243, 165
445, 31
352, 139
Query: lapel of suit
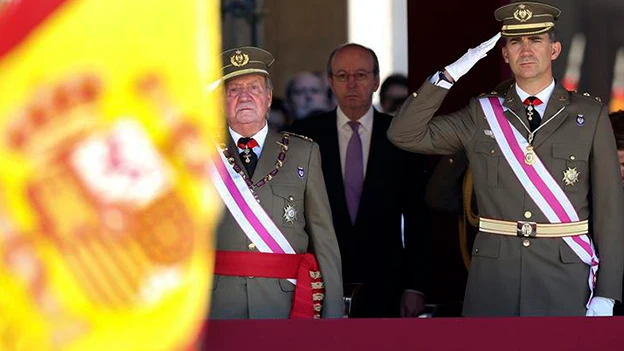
268, 158
559, 99
377, 155
512, 102
332, 168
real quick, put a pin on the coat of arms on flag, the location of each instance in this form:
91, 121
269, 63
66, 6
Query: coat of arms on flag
105, 227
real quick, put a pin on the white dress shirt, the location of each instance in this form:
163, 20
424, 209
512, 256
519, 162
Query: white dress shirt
344, 135
260, 138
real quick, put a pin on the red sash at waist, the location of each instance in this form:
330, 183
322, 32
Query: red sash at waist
309, 291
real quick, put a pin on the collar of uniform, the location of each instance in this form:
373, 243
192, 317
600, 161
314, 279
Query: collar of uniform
543, 95
260, 138
366, 121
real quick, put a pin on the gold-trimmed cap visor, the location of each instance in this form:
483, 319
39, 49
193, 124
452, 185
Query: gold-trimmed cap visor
526, 18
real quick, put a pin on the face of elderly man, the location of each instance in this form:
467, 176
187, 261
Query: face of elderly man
248, 99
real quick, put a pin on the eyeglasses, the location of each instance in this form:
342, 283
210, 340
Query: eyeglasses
358, 76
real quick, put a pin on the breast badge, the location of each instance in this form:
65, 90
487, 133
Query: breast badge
571, 176
580, 120
290, 214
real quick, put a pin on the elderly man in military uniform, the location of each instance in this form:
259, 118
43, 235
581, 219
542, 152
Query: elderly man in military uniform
277, 254
546, 177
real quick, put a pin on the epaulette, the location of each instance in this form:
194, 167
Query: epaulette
588, 96
299, 136
492, 93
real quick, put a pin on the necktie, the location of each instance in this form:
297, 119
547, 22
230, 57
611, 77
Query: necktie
248, 157
534, 118
354, 171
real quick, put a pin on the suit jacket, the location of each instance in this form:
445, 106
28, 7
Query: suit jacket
545, 277
372, 249
312, 231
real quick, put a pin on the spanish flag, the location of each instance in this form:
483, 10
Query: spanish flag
106, 216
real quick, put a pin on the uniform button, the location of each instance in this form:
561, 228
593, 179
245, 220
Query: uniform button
492, 151
291, 198
250, 277
251, 246
528, 214
572, 157
526, 243
414, 94
451, 160
476, 250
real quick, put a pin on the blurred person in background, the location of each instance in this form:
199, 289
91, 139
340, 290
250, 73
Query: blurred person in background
617, 122
393, 92
306, 94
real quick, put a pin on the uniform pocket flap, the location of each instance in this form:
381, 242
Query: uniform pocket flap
285, 285
571, 151
567, 255
290, 192
488, 147
486, 245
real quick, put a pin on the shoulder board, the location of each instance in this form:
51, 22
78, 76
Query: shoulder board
493, 93
298, 136
587, 96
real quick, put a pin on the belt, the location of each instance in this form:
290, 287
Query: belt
532, 229
309, 291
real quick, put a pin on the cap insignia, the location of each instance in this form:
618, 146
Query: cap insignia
523, 14
239, 58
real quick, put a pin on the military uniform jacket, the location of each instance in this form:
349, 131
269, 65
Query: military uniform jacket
312, 231
538, 276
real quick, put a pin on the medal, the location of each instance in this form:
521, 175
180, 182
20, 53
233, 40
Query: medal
529, 156
290, 214
246, 155
571, 176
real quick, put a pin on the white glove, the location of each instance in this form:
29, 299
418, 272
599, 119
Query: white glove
460, 67
600, 306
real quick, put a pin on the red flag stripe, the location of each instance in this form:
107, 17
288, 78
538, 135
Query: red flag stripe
19, 18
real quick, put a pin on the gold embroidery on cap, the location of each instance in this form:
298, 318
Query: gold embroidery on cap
523, 14
239, 58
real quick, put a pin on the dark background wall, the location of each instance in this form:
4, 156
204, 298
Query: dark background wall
437, 36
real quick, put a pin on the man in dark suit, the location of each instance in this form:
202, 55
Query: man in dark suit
362, 171
277, 226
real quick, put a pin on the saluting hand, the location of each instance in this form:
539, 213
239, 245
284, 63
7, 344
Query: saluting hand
460, 67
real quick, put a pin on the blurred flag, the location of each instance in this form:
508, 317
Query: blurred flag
105, 217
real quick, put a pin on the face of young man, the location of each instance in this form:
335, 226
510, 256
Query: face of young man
530, 57
247, 103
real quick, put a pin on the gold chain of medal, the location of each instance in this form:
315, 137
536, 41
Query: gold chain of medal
529, 157
281, 158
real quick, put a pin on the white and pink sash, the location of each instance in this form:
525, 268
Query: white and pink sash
538, 182
250, 216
